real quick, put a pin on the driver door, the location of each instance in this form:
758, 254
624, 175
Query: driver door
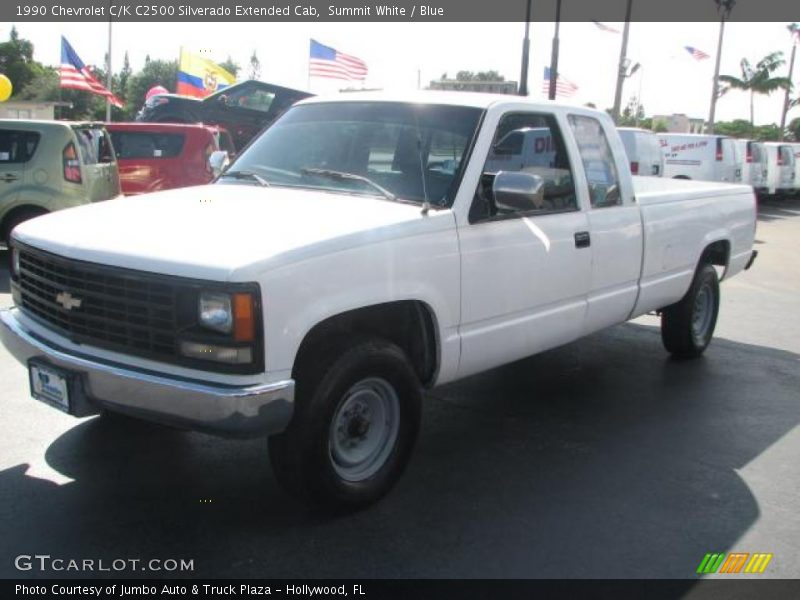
525, 269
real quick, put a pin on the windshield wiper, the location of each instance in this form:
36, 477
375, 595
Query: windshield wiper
246, 175
342, 176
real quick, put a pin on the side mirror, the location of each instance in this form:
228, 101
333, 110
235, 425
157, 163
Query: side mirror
218, 162
518, 191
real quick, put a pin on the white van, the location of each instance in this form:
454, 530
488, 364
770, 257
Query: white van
527, 146
754, 165
796, 151
781, 168
643, 150
699, 156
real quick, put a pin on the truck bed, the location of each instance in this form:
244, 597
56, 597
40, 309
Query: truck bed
708, 212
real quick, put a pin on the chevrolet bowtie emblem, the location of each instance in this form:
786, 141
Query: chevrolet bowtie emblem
66, 300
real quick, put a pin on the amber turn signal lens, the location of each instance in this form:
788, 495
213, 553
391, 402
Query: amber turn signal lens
244, 324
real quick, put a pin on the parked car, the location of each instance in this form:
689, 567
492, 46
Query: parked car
162, 156
643, 150
700, 157
49, 165
781, 168
754, 164
243, 109
356, 252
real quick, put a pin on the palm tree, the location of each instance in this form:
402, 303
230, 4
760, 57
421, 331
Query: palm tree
758, 79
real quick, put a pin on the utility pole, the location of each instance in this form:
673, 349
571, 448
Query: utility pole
551, 92
724, 7
794, 29
526, 46
622, 70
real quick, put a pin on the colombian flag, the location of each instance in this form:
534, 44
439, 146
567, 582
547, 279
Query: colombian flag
199, 77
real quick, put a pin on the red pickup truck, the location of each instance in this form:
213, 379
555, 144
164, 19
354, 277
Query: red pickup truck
161, 156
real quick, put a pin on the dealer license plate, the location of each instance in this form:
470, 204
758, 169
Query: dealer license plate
49, 385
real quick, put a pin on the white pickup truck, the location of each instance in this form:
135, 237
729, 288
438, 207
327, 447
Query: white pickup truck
356, 253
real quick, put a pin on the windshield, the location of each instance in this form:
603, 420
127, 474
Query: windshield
376, 144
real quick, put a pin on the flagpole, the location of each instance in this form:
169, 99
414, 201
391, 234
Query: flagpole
108, 73
526, 46
551, 92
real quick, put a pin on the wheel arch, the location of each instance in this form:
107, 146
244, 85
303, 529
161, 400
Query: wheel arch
34, 209
717, 253
410, 324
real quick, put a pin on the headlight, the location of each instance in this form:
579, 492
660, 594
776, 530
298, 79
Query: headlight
234, 315
215, 311
15, 262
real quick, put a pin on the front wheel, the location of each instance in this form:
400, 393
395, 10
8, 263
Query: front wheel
356, 420
688, 325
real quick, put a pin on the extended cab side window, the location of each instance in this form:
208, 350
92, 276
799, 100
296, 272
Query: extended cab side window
598, 161
531, 144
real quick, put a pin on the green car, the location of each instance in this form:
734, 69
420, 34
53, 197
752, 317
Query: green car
50, 165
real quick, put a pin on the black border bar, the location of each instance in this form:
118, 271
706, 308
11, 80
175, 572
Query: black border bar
399, 10
417, 589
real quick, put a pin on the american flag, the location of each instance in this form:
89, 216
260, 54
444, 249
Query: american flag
604, 27
325, 61
696, 54
75, 75
564, 87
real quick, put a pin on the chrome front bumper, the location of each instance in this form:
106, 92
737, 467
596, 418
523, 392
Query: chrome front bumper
224, 410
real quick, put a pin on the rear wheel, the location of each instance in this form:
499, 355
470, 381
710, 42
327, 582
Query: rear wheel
688, 326
356, 420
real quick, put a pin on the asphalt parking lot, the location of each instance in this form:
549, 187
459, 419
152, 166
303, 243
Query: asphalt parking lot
600, 459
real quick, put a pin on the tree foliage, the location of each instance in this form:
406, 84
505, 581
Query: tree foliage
633, 113
757, 80
793, 130
230, 66
16, 61
154, 72
741, 128
254, 71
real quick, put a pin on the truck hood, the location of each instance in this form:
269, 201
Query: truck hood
211, 231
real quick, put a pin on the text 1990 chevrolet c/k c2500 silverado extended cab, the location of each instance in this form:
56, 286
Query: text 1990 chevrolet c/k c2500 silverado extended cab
363, 248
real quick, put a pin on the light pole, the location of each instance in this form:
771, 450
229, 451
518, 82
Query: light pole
794, 29
724, 7
623, 64
526, 46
